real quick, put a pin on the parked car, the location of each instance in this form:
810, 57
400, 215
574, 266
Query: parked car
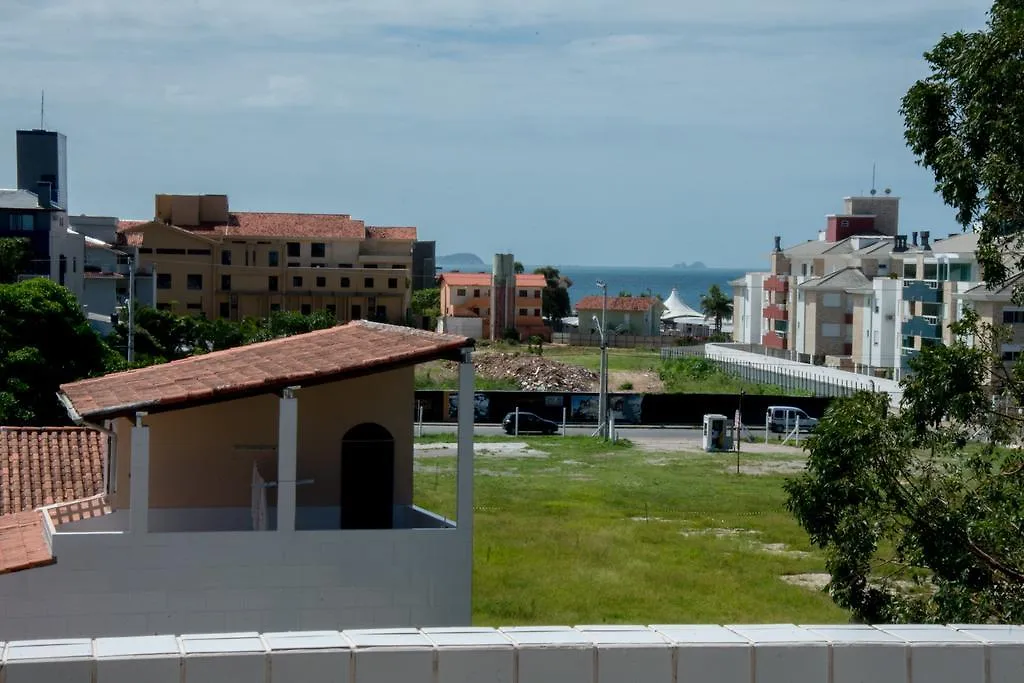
528, 423
784, 419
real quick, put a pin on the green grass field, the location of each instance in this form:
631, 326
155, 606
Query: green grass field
618, 359
586, 532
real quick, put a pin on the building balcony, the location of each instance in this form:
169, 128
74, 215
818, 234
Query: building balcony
776, 283
926, 291
776, 312
774, 340
924, 326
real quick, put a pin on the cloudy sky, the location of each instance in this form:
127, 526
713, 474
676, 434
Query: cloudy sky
586, 132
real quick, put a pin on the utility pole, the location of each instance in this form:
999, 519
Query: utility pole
602, 404
131, 306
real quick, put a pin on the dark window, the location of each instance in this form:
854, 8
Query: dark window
294, 249
225, 283
225, 257
1011, 356
63, 268
274, 308
194, 307
476, 310
398, 266
306, 309
392, 283
225, 309
163, 280
368, 282
1013, 317
318, 250
357, 312
536, 313
382, 313
370, 265
272, 259
297, 281
344, 265
294, 264
199, 252
476, 293
22, 222
179, 252
74, 264
345, 282
522, 311
460, 292
321, 282
194, 281
163, 307
522, 293
536, 294
146, 250
332, 310
931, 271
272, 283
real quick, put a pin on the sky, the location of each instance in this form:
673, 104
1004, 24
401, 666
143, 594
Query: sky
584, 132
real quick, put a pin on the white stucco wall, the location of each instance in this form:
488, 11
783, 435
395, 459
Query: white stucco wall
111, 584
587, 654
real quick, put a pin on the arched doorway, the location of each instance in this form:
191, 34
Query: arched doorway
367, 477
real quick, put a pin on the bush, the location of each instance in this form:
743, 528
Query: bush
626, 386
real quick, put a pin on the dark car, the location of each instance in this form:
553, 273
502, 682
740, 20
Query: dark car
528, 422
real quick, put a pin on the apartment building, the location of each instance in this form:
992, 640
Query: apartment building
997, 307
220, 263
466, 302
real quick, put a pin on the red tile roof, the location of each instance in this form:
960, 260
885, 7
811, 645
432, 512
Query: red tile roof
391, 233
46, 465
358, 348
484, 279
23, 542
624, 304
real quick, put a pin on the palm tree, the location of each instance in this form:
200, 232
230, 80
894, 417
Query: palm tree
715, 304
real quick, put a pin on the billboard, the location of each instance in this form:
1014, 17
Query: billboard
626, 409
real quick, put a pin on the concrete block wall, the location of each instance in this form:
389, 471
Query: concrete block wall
775, 653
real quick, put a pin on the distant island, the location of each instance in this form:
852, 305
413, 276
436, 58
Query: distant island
696, 265
459, 260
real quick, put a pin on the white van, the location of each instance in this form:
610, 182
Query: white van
784, 419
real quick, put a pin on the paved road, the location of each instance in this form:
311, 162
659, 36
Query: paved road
666, 433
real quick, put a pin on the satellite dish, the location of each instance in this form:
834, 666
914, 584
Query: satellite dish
873, 192
888, 190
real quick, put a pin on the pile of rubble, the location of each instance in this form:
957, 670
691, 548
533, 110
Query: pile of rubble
534, 373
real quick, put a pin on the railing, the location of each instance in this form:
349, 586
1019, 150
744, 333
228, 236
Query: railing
925, 326
776, 284
925, 291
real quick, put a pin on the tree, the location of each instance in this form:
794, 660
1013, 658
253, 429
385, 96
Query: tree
427, 302
715, 304
963, 123
518, 268
45, 341
14, 258
917, 523
555, 302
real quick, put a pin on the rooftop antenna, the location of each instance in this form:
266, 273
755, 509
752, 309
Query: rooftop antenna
42, 110
873, 190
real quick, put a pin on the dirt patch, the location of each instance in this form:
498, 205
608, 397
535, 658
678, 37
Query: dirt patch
782, 549
693, 445
505, 449
643, 381
718, 533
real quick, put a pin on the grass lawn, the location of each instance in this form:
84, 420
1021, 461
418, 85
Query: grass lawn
618, 359
585, 532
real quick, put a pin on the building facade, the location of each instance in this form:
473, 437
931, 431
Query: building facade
222, 264
634, 315
466, 300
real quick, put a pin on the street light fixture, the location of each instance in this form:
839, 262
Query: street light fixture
602, 404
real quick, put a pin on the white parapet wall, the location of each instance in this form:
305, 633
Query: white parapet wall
537, 654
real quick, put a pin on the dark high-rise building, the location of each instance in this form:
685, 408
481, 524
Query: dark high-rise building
423, 268
42, 158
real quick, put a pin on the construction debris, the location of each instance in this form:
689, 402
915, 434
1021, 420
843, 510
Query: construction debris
534, 373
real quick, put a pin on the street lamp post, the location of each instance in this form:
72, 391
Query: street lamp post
602, 404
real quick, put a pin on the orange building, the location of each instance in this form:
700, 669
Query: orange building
466, 304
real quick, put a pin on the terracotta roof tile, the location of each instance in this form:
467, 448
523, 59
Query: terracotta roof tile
484, 279
357, 348
391, 233
23, 542
46, 465
617, 303
261, 224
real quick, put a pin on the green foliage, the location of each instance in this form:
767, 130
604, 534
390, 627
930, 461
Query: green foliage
917, 523
555, 302
698, 375
518, 268
45, 341
427, 302
626, 386
510, 335
14, 258
963, 123
715, 304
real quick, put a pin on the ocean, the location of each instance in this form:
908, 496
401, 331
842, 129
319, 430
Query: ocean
660, 281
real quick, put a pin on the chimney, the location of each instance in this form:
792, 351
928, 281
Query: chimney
900, 244
925, 236
778, 243
44, 191
915, 237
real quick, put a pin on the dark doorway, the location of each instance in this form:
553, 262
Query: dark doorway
367, 478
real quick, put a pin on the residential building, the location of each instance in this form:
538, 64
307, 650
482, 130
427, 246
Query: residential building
636, 315
266, 487
424, 268
43, 162
220, 263
748, 305
55, 252
997, 307
467, 299
824, 316
877, 327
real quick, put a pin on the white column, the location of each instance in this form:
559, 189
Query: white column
139, 478
464, 511
287, 458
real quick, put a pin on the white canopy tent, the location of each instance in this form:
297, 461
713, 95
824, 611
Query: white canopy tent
677, 310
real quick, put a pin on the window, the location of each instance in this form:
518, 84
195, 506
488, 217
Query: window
74, 264
194, 281
225, 257
272, 259
198, 252
522, 293
163, 280
1013, 317
225, 309
294, 251
294, 264
318, 250
398, 266
476, 310
476, 293
460, 292
332, 310
931, 271
178, 252
225, 283
370, 265
830, 330
803, 269
344, 265
909, 271
306, 309
368, 282
272, 283
1011, 356
392, 283
274, 308
22, 222
536, 312
382, 313
522, 311
145, 250
345, 282
357, 312
536, 294
844, 223
831, 300
297, 281
194, 307
321, 282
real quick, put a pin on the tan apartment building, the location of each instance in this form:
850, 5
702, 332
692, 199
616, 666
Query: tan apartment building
996, 307
466, 304
219, 263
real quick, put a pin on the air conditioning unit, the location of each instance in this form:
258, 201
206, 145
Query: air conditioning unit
890, 316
